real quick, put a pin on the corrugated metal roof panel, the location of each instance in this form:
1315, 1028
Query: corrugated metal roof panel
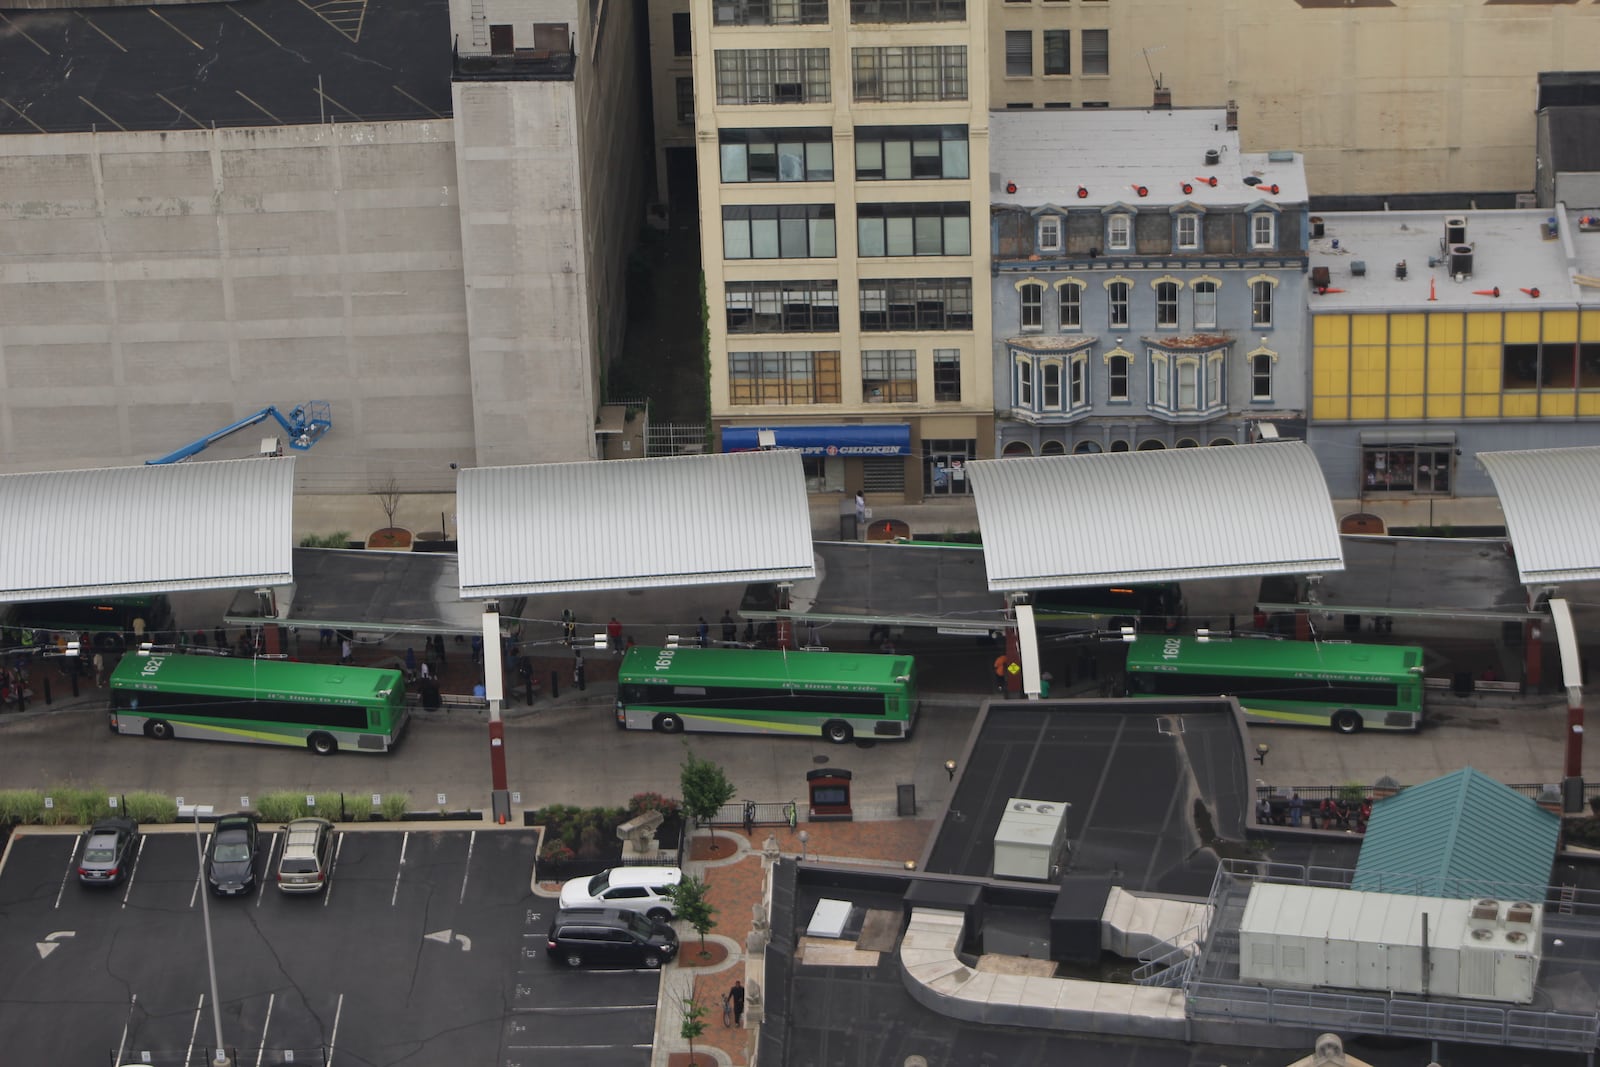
633, 523
1551, 501
1154, 516
1463, 835
150, 529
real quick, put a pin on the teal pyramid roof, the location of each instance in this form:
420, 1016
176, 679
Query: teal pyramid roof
1460, 836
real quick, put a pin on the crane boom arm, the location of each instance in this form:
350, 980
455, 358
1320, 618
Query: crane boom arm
305, 425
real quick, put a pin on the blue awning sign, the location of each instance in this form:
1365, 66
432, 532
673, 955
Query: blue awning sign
848, 441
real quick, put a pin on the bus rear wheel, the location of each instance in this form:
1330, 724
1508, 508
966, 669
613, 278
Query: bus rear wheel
322, 744
1347, 722
159, 729
669, 724
838, 732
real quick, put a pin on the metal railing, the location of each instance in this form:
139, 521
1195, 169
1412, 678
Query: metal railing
752, 813
675, 439
1170, 969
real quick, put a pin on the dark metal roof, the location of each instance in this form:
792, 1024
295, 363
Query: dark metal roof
246, 63
1574, 134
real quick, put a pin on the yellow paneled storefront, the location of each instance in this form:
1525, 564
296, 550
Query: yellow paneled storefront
1436, 365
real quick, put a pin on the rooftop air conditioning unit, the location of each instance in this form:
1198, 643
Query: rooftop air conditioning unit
1031, 839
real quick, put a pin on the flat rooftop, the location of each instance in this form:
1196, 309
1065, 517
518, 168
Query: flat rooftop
245, 63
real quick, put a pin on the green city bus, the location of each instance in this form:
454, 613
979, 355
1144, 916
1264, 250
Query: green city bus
262, 701
837, 695
1322, 683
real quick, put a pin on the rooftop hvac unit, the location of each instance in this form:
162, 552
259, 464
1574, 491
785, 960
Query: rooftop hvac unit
1460, 261
1031, 839
1455, 230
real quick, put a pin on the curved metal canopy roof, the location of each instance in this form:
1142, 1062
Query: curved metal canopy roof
1551, 500
1168, 515
633, 523
150, 529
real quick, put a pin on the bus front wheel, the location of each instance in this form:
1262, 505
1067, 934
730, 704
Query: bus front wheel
1347, 722
669, 724
322, 744
838, 732
159, 729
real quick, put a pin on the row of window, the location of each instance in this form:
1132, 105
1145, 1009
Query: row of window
1056, 52
815, 12
1119, 303
887, 304
1090, 448
881, 75
805, 153
807, 231
1186, 231
888, 376
1177, 384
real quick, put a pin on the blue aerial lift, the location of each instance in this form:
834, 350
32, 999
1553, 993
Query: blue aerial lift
305, 426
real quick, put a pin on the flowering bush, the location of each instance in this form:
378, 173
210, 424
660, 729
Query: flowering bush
555, 854
640, 803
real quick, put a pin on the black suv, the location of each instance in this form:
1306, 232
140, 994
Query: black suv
610, 937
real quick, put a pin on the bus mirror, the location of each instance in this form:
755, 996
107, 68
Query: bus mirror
1128, 634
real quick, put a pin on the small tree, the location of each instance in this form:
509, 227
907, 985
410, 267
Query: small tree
388, 494
691, 904
705, 789
693, 1025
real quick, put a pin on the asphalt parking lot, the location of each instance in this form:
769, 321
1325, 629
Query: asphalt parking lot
427, 947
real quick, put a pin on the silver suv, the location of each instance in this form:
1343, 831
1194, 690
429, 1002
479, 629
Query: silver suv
307, 856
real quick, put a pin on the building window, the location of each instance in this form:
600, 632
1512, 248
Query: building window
1261, 377
1019, 53
1160, 386
947, 374
1023, 391
800, 154
1118, 292
1096, 51
889, 376
1551, 366
1214, 396
773, 76
783, 377
1032, 306
1406, 469
908, 10
771, 12
1016, 105
1261, 303
1070, 297
1188, 235
906, 304
681, 39
1050, 386
1078, 387
1050, 233
1057, 52
686, 101
902, 153
782, 307
1167, 305
1119, 233
1205, 304
1188, 385
909, 72
1263, 230
914, 229
790, 231
1117, 378
1061, 104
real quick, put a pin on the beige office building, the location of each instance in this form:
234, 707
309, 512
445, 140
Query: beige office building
842, 149
1382, 96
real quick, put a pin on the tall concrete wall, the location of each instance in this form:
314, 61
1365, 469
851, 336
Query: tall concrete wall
156, 286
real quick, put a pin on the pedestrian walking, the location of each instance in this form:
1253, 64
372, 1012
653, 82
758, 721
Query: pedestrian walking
324, 638
812, 641
1000, 663
346, 654
577, 669
99, 671
222, 638
1296, 809
704, 633
200, 639
861, 513
614, 635
736, 998
730, 629
423, 673
411, 662
477, 650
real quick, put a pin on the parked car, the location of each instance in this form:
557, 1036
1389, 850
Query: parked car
109, 847
642, 889
307, 856
609, 937
231, 856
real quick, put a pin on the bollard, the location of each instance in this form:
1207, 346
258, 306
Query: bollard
555, 684
47, 699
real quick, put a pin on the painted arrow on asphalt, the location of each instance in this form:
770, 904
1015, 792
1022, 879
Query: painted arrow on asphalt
444, 936
48, 945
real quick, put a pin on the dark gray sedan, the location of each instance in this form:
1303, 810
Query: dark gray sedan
109, 847
231, 857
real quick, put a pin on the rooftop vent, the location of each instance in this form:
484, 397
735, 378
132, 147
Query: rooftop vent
1358, 268
1280, 157
1213, 157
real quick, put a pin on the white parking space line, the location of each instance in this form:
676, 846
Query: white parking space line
266, 874
327, 880
264, 1028
194, 1031
471, 843
127, 891
122, 1045
405, 843
333, 1038
72, 864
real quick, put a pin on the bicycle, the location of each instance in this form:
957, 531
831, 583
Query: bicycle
727, 1010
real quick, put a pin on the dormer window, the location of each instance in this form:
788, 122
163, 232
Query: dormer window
1263, 230
1188, 232
1050, 233
1119, 233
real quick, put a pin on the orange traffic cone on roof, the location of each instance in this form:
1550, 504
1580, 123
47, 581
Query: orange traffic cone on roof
1431, 294
1534, 292
1487, 292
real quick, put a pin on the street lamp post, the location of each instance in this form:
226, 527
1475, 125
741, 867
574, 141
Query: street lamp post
219, 1056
